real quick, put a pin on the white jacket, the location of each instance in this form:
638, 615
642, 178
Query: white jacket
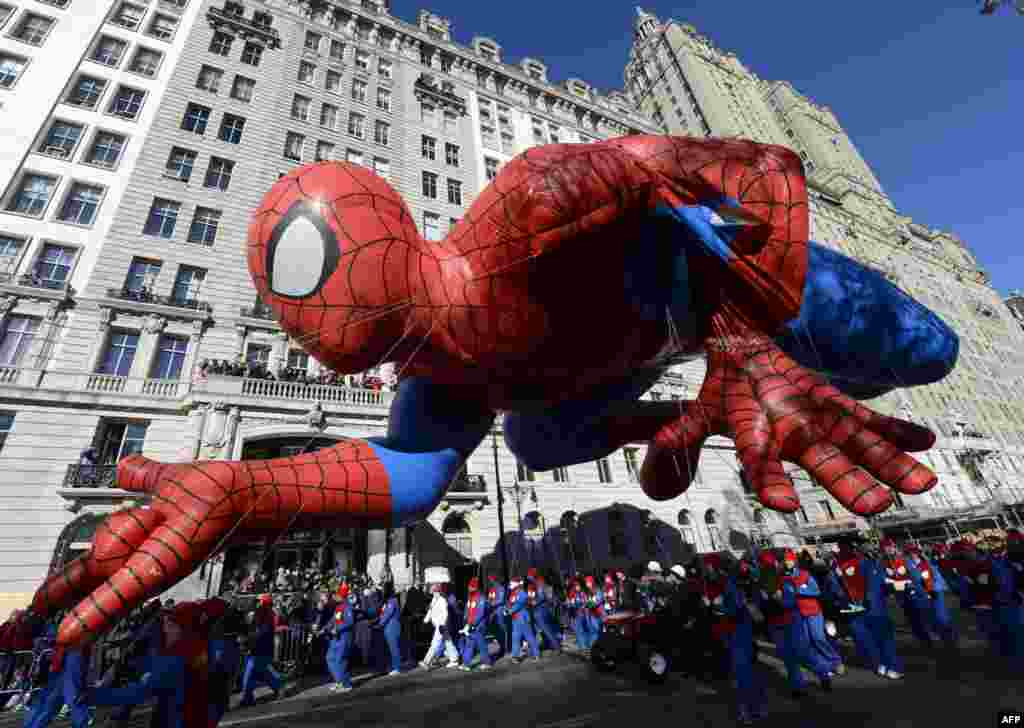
437, 615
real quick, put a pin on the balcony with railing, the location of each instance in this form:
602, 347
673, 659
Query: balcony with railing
91, 476
467, 489
145, 296
259, 311
235, 388
47, 287
223, 18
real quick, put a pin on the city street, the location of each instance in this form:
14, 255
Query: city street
566, 692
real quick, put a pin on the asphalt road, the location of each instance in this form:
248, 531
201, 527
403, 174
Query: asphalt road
940, 689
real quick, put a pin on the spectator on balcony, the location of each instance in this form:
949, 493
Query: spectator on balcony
87, 462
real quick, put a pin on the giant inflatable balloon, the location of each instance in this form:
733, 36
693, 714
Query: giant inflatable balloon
579, 274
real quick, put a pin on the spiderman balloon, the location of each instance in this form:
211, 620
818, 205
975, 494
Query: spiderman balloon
575, 279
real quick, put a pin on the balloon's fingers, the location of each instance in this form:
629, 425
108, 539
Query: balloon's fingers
667, 473
142, 475
855, 489
879, 457
160, 562
906, 436
114, 542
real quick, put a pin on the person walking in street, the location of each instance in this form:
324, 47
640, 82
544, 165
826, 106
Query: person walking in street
339, 647
496, 604
800, 593
928, 597
258, 667
437, 615
390, 624
476, 621
543, 619
779, 620
878, 621
519, 611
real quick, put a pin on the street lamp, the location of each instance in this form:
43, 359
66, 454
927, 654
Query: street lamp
501, 509
519, 493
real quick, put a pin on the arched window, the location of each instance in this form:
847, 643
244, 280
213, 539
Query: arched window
458, 535
686, 527
711, 521
74, 540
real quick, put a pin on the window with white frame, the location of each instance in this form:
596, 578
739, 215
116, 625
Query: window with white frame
313, 41
428, 114
86, 92
163, 26
129, 16
180, 163
6, 423
220, 44
354, 156
142, 275
604, 470
490, 167
33, 28
218, 174
454, 192
632, 456
120, 354
293, 146
146, 62
6, 11
106, 149
523, 473
127, 102
430, 185
53, 266
307, 72
162, 219
451, 123
209, 79
561, 475
196, 118
11, 68
384, 99
252, 53
187, 284
109, 51
428, 147
362, 60
385, 68
431, 226
81, 205
337, 52
11, 248
332, 81
329, 116
359, 87
382, 133
62, 138
18, 334
257, 355
298, 361
324, 151
231, 128
356, 124
451, 154
242, 88
300, 107
33, 195
382, 167
170, 357
204, 226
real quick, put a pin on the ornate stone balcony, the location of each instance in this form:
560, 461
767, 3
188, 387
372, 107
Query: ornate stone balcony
236, 388
219, 19
90, 476
262, 312
144, 296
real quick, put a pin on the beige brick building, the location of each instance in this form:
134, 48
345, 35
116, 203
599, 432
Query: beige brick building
145, 133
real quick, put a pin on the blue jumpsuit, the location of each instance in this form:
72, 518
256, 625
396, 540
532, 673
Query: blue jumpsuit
784, 635
740, 644
477, 618
165, 682
808, 631
496, 601
225, 656
63, 688
928, 609
391, 623
455, 622
580, 620
595, 607
339, 649
863, 637
151, 635
544, 620
877, 618
258, 666
1006, 608
519, 610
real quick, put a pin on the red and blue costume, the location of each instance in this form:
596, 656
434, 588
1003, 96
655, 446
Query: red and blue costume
848, 586
696, 247
780, 621
543, 617
476, 619
498, 616
800, 598
925, 601
339, 648
258, 667
519, 611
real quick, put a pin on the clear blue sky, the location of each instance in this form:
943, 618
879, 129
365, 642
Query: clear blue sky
930, 92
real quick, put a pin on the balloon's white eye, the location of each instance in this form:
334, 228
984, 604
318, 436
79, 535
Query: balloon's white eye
301, 254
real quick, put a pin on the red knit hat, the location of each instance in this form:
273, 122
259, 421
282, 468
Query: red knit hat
474, 584
767, 558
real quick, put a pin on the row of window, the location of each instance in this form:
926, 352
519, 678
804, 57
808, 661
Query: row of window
63, 139
330, 114
162, 221
32, 196
30, 28
197, 118
429, 188
181, 163
110, 51
86, 91
50, 269
140, 282
258, 355
132, 16
221, 44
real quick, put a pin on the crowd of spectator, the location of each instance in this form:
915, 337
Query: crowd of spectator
259, 370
